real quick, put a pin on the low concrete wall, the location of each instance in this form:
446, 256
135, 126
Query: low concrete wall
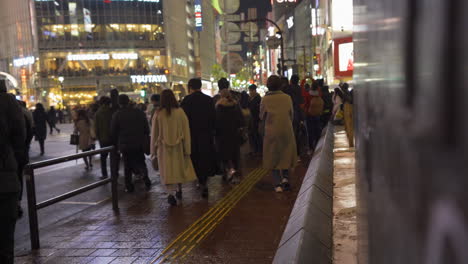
308, 234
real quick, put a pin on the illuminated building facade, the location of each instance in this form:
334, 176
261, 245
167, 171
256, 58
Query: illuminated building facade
85, 48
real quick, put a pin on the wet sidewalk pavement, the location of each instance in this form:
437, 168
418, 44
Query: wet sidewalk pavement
344, 201
237, 224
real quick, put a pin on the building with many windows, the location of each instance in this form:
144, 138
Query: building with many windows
85, 48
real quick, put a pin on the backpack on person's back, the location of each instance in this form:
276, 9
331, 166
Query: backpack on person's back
316, 106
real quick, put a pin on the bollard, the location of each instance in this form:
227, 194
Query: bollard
32, 209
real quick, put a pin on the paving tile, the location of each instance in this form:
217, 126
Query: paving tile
69, 260
144, 245
101, 260
123, 252
124, 260
142, 260
124, 245
103, 252
146, 252
104, 244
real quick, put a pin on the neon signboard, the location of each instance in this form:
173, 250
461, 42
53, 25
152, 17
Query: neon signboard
198, 15
20, 62
148, 78
102, 56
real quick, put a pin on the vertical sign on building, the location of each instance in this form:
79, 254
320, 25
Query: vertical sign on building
73, 19
198, 15
88, 24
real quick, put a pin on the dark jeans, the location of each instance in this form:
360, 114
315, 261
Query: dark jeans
8, 207
278, 177
52, 126
255, 139
41, 145
134, 162
114, 161
314, 129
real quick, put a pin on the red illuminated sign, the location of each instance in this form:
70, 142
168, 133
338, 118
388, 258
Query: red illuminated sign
344, 57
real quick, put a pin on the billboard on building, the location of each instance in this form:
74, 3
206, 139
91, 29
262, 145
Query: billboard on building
344, 57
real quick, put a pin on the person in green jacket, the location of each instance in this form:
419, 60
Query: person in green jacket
103, 131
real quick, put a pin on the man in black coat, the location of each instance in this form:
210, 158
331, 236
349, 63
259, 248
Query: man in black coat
201, 114
130, 130
12, 152
52, 117
254, 106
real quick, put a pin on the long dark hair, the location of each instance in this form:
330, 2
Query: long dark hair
339, 93
40, 108
168, 101
82, 115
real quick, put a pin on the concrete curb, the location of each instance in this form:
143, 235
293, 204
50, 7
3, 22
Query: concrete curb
308, 234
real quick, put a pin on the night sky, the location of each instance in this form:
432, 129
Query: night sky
263, 6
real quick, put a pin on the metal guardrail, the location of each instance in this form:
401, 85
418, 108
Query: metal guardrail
33, 206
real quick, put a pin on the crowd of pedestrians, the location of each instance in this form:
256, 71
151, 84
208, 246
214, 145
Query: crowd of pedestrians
192, 140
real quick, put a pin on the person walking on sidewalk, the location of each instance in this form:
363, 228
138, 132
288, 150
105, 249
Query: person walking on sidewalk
229, 124
254, 106
171, 144
40, 126
103, 132
338, 99
130, 131
279, 144
29, 125
12, 149
200, 111
153, 107
52, 118
115, 156
83, 128
294, 91
314, 106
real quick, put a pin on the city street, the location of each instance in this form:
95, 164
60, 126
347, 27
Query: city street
237, 224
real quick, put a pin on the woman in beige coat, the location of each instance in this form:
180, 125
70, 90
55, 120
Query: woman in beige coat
170, 142
279, 144
83, 129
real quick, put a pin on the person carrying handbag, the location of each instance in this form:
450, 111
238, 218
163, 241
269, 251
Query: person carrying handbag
85, 141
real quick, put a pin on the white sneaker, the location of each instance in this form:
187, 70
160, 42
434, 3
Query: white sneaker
279, 189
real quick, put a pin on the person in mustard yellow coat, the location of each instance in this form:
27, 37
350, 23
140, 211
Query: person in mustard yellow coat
171, 143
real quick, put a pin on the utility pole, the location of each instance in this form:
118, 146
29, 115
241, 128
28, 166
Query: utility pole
305, 63
228, 59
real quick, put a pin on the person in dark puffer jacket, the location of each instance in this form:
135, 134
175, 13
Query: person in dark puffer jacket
12, 152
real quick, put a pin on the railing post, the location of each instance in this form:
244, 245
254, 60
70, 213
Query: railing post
32, 209
114, 181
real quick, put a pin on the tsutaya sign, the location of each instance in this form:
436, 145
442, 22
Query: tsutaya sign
102, 56
148, 78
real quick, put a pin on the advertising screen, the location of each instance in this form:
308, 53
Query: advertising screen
346, 57
343, 57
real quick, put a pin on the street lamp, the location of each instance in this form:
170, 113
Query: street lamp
61, 79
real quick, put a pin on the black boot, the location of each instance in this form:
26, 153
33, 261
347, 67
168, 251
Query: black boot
171, 200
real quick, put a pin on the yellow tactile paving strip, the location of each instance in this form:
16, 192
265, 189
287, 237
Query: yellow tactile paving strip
194, 234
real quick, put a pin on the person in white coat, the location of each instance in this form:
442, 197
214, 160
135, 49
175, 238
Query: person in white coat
170, 143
